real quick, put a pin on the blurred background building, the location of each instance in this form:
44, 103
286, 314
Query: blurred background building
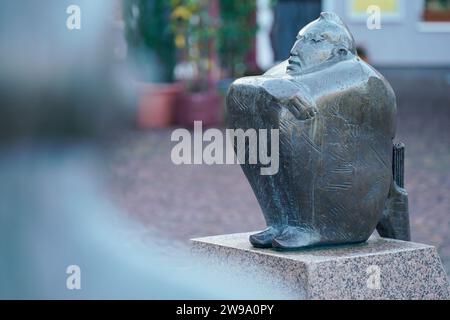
413, 32
200, 46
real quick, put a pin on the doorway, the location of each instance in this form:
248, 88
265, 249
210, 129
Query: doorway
290, 16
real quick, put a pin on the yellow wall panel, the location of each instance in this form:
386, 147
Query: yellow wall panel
386, 6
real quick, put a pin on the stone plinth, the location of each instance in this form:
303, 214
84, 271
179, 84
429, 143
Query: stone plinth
377, 269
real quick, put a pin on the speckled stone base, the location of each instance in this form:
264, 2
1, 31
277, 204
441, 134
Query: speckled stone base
406, 270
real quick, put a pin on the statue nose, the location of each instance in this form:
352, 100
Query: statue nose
294, 50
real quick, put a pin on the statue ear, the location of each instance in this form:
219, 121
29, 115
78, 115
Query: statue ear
342, 52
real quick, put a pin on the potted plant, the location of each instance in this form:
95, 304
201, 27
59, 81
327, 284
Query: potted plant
152, 54
194, 25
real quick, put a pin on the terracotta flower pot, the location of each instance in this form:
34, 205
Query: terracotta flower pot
202, 106
156, 104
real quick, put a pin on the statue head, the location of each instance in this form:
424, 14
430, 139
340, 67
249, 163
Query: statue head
326, 39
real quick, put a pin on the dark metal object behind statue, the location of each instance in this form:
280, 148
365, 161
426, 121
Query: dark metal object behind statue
340, 176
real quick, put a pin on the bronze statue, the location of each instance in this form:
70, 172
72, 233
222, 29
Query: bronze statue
336, 119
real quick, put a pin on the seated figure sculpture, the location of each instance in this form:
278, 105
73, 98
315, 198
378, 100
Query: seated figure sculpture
339, 176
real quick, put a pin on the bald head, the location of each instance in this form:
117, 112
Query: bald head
325, 39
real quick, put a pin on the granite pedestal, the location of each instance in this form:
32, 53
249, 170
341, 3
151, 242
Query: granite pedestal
378, 269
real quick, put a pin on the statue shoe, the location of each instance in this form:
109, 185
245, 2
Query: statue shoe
264, 239
294, 238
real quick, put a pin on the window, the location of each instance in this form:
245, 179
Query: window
437, 10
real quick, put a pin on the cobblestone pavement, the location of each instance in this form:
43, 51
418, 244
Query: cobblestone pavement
183, 202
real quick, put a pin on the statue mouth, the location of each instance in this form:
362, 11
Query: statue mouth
294, 64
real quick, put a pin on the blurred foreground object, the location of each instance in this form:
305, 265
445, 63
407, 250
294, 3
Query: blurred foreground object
56, 82
60, 93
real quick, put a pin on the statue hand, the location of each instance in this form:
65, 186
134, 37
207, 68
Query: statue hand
301, 109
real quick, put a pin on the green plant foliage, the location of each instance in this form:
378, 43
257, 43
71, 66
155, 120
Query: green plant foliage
148, 30
236, 34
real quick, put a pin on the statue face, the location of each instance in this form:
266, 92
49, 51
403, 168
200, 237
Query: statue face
317, 43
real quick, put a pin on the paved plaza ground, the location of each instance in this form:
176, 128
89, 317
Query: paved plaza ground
183, 202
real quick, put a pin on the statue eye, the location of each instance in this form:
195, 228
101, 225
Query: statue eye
317, 39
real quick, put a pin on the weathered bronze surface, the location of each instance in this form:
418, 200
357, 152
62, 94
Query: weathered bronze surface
336, 118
